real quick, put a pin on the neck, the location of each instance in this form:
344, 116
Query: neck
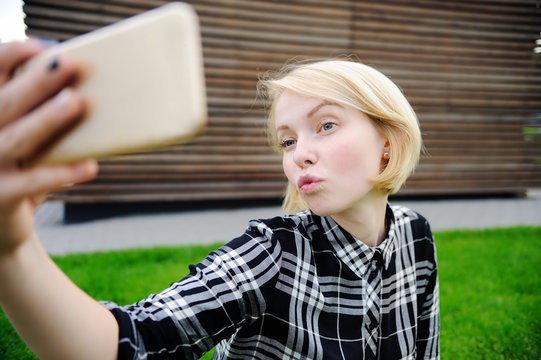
366, 220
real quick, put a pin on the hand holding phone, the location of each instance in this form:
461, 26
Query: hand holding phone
144, 85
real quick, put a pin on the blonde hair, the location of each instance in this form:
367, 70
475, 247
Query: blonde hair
361, 87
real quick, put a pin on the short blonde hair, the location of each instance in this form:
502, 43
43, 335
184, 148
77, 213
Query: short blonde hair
361, 87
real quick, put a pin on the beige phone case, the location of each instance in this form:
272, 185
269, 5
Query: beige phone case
145, 86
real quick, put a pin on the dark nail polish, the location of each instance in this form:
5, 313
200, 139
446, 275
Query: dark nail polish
53, 65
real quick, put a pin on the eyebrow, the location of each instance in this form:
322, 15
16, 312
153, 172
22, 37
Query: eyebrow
319, 106
314, 110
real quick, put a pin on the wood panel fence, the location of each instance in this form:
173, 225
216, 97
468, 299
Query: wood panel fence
467, 67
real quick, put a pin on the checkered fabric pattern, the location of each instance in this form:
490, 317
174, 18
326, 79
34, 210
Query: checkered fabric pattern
373, 303
297, 287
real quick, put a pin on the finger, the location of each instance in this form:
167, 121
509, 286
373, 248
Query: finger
34, 86
44, 179
14, 54
23, 140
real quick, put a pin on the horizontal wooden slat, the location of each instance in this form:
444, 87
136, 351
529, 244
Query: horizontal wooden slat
468, 69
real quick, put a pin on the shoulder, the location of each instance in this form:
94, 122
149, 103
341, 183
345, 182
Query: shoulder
404, 216
282, 228
259, 251
403, 212
272, 233
414, 230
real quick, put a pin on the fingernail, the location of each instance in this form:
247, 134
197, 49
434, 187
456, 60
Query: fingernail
53, 65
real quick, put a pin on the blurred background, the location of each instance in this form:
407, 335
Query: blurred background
471, 70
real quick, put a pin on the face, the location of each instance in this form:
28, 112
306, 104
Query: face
330, 151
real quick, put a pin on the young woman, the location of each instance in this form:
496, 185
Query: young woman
345, 276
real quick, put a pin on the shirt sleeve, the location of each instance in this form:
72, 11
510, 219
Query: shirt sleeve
428, 326
221, 294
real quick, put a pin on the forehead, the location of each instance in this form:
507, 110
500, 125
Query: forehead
291, 105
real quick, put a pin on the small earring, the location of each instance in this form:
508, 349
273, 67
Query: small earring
386, 155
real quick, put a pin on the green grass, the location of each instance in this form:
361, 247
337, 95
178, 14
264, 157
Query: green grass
489, 289
490, 292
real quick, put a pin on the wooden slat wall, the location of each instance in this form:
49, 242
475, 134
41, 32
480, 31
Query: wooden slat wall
467, 67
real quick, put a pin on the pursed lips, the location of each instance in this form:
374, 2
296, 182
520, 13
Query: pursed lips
308, 183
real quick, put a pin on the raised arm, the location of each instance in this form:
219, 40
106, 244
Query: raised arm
54, 317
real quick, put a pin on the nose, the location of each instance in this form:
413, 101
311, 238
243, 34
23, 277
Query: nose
305, 153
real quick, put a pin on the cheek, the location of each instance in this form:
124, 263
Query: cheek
288, 166
356, 159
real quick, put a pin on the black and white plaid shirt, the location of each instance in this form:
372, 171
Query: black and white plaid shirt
297, 287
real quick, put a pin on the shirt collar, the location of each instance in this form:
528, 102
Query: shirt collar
356, 254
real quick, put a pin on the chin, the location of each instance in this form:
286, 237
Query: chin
325, 205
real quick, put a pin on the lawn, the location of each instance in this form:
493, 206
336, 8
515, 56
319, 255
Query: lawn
490, 289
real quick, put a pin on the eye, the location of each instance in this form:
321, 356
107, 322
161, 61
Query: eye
287, 143
327, 126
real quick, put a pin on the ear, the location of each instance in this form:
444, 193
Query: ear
387, 146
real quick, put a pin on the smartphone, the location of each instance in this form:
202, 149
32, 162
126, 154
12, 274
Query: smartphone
145, 85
